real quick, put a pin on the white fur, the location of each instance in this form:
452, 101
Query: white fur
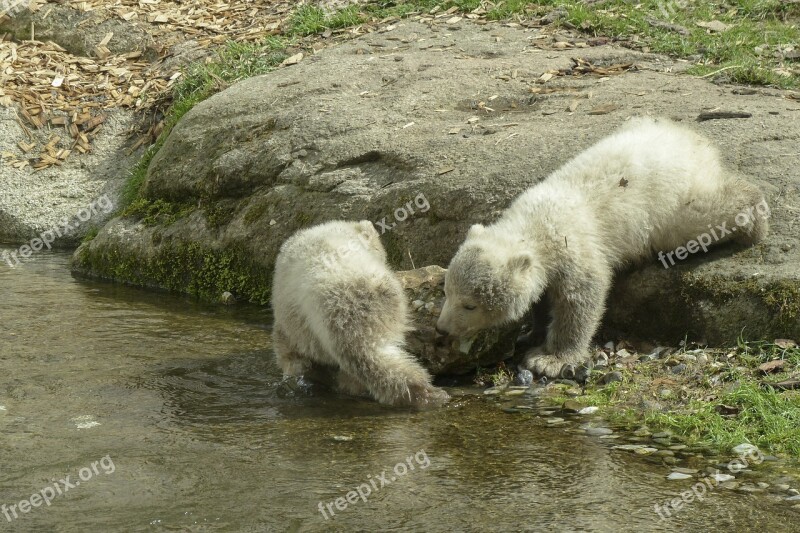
652, 186
338, 308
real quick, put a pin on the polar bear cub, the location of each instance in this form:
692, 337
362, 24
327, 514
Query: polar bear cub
650, 187
336, 304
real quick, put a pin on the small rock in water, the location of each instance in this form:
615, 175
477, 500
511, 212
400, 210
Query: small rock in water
794, 492
645, 450
662, 435
682, 470
515, 392
793, 498
762, 485
643, 431
342, 438
744, 449
227, 298
730, 485
598, 431
722, 478
677, 476
589, 410
524, 377
676, 447
85, 422
571, 406
416, 304
665, 453
555, 420
492, 391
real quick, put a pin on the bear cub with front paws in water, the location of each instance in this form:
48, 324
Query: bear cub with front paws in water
650, 187
341, 314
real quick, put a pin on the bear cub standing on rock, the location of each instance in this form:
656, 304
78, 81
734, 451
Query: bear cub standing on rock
338, 306
652, 186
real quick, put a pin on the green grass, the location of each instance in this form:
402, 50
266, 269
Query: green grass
767, 418
745, 53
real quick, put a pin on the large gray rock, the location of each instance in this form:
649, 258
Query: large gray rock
429, 131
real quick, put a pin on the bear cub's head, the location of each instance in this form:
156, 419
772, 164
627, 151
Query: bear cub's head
492, 279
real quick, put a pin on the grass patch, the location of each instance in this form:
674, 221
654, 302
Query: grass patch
720, 404
755, 49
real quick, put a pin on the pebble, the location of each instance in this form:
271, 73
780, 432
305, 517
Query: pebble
685, 470
762, 485
679, 368
623, 353
750, 488
793, 498
342, 438
555, 420
512, 391
744, 449
678, 475
794, 492
665, 393
677, 447
227, 298
730, 485
524, 377
85, 422
722, 478
511, 410
416, 304
665, 453
611, 377
589, 410
670, 460
598, 431
571, 406
782, 486
662, 435
642, 432
645, 451
687, 357
492, 391
629, 447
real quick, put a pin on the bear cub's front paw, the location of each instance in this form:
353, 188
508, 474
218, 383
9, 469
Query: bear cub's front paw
550, 366
426, 395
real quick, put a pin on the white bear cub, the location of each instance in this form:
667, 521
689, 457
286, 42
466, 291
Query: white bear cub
651, 187
339, 308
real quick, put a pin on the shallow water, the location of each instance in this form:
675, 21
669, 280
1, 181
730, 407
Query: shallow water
186, 405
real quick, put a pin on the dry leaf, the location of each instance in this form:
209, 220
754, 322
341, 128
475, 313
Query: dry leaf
623, 182
604, 109
786, 344
573, 106
292, 60
445, 170
772, 366
714, 25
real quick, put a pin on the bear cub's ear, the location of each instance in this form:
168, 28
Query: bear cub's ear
476, 230
521, 263
365, 229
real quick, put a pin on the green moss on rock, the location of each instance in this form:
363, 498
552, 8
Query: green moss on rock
188, 268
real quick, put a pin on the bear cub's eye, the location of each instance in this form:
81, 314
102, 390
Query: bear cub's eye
470, 307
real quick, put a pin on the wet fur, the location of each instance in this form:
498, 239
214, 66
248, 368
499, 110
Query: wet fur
336, 303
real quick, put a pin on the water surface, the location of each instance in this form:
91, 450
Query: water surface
186, 402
